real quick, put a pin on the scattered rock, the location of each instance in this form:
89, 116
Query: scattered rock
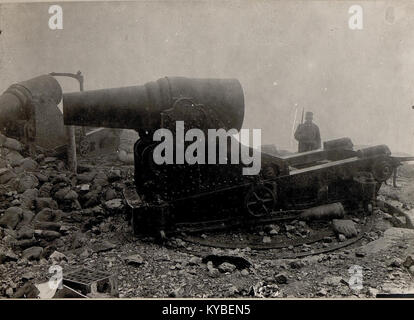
397, 263
372, 292
71, 195
7, 256
239, 262
281, 278
114, 175
244, 272
48, 215
42, 203
341, 237
85, 178
135, 260
61, 194
345, 227
26, 181
26, 219
409, 261
110, 194
6, 175
9, 292
47, 234
226, 267
322, 293
296, 264
28, 164
359, 254
11, 217
194, 261
28, 276
212, 271
57, 257
411, 270
45, 225
79, 240
10, 143
114, 205
28, 290
103, 246
266, 239
25, 232
26, 243
14, 158
28, 197
32, 253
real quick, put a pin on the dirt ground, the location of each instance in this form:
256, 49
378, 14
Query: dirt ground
96, 235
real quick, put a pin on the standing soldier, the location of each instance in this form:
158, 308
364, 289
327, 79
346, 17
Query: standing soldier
307, 134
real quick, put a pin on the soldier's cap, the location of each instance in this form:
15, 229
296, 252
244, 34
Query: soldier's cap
309, 115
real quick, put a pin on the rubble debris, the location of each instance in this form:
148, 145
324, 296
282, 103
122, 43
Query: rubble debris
266, 239
7, 256
48, 215
11, 217
296, 264
135, 260
409, 261
345, 227
32, 253
239, 262
102, 246
281, 278
114, 205
194, 261
28, 290
57, 257
212, 271
226, 267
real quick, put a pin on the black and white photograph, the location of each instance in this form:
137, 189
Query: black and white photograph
234, 150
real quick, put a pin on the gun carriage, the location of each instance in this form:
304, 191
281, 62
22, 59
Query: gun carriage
168, 196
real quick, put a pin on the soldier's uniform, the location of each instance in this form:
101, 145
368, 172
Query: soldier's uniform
308, 135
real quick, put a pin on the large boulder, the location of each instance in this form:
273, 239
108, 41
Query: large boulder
28, 198
49, 215
27, 217
345, 227
11, 217
26, 181
10, 143
14, 158
28, 164
32, 253
6, 174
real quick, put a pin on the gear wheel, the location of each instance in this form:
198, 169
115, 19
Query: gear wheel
260, 201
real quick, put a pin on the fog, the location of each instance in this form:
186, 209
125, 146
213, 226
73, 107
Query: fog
287, 55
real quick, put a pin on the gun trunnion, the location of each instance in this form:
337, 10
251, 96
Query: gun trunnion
168, 195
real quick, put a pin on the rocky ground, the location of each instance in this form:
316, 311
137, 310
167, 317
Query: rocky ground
51, 216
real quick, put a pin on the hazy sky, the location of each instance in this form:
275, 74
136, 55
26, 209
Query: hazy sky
358, 83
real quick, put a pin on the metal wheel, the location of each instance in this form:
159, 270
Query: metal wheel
260, 201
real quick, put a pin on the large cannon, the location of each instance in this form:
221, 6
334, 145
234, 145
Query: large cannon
170, 195
29, 112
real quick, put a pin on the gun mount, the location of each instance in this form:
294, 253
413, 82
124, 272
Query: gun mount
168, 196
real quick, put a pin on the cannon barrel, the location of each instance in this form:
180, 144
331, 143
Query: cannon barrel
140, 107
16, 101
